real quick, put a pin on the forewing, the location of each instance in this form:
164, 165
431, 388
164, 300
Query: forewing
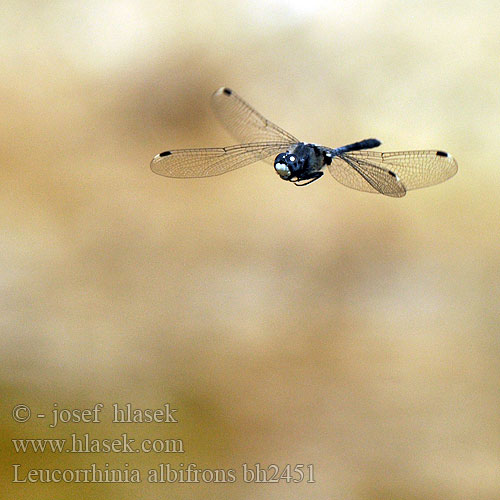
212, 161
395, 173
243, 122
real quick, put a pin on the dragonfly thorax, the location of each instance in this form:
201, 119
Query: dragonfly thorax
301, 164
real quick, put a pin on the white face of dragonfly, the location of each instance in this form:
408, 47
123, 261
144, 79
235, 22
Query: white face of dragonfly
285, 164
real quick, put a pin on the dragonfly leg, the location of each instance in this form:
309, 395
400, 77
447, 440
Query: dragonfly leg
313, 176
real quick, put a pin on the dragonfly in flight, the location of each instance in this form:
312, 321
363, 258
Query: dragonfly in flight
391, 174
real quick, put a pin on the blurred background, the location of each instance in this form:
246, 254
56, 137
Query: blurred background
322, 325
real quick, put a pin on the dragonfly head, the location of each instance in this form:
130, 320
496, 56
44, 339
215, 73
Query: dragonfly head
287, 165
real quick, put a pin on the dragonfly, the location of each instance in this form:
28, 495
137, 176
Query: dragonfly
391, 174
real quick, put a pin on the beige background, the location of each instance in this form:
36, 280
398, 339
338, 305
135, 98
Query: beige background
319, 325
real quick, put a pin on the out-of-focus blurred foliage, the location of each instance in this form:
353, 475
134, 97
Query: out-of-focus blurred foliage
318, 325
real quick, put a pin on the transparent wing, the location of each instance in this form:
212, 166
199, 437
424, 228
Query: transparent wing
213, 161
243, 122
392, 174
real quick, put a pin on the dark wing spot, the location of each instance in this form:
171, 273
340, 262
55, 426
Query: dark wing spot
392, 173
327, 158
441, 153
165, 153
227, 91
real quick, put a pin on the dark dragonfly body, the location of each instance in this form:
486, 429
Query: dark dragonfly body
354, 165
304, 163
